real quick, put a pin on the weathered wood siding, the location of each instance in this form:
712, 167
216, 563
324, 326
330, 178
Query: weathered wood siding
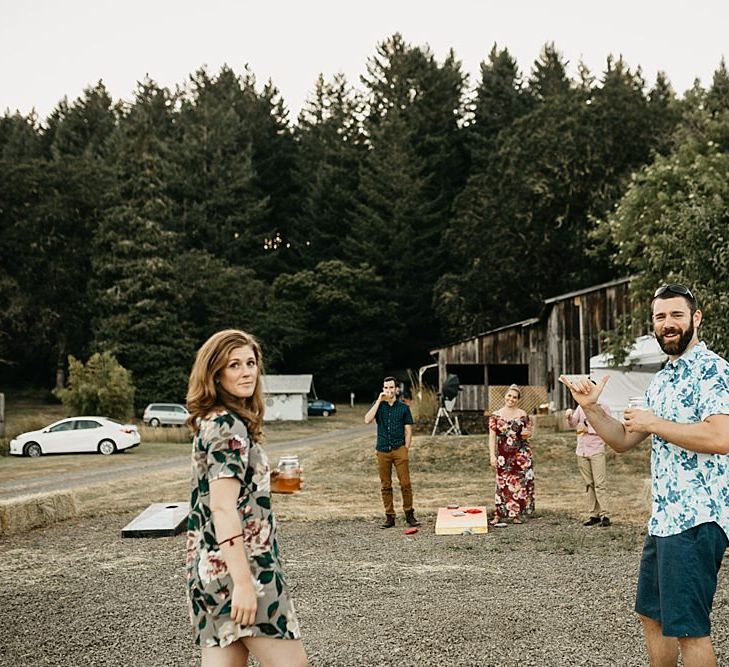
573, 330
562, 341
518, 344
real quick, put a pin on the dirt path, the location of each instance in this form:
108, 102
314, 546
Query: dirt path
129, 469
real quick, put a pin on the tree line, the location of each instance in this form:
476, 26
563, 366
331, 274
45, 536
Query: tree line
414, 207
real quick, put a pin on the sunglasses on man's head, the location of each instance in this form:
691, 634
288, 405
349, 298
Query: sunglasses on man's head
675, 288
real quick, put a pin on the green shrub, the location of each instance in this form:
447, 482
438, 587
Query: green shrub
100, 387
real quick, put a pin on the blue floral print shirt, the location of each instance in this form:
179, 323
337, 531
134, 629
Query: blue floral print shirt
689, 488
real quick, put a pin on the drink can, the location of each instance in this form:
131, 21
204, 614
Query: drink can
637, 402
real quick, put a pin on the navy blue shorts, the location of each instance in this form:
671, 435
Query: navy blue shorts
677, 579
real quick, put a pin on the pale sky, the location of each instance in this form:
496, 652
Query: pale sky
52, 48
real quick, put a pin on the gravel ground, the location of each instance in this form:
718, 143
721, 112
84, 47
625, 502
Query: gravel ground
546, 593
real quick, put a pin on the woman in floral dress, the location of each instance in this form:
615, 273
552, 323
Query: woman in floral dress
511, 457
237, 593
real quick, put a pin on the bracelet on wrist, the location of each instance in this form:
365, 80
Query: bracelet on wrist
230, 539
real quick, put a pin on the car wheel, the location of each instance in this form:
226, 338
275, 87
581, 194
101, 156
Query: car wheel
154, 422
33, 449
325, 413
107, 447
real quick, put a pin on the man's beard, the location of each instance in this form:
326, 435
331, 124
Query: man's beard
676, 347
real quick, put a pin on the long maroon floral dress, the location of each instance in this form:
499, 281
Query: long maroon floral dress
514, 470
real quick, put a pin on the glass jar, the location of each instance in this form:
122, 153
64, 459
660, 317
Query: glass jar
288, 479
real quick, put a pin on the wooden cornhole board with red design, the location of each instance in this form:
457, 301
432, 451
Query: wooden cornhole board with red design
447, 524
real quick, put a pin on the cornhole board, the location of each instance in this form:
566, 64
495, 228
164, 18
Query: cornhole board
447, 524
159, 520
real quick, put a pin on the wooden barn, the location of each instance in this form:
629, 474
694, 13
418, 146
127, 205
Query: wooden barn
534, 352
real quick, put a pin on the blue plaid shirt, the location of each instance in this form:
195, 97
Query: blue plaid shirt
689, 488
391, 421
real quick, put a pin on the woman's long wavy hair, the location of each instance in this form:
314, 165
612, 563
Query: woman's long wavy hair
205, 395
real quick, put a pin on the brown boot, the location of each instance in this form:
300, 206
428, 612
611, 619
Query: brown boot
411, 520
389, 521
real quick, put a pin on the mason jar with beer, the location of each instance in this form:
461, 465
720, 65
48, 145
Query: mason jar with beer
288, 475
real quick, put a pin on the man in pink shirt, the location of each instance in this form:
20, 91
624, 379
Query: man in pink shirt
591, 462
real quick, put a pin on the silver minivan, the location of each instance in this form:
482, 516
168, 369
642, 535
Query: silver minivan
165, 414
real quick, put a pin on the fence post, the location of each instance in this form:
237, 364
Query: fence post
2, 415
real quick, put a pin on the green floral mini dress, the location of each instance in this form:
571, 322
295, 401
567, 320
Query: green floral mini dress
222, 448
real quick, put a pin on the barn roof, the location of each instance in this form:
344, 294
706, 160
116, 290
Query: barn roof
546, 307
287, 384
587, 290
522, 323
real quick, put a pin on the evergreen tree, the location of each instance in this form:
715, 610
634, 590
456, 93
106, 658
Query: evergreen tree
461, 300
549, 74
717, 98
49, 212
337, 321
429, 99
395, 230
621, 132
20, 137
137, 296
274, 160
415, 167
665, 112
83, 128
222, 209
331, 147
499, 100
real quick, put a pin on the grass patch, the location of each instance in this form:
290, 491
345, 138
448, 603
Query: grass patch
342, 481
175, 434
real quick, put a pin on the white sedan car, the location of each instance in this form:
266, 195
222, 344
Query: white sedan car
77, 434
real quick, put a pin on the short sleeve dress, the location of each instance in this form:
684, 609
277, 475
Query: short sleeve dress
514, 467
222, 448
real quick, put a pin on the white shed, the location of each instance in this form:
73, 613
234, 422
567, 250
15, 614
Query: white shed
286, 397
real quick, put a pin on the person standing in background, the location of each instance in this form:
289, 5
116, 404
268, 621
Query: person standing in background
592, 466
510, 429
394, 438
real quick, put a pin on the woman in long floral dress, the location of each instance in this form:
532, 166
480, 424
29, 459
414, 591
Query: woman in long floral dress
238, 597
511, 456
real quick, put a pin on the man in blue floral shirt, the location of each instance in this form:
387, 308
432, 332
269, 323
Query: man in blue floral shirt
688, 419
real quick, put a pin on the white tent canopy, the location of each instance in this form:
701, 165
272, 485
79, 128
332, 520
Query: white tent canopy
632, 377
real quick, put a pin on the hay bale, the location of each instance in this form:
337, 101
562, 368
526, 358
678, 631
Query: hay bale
22, 514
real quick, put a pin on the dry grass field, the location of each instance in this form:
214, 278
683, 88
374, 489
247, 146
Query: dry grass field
342, 482
341, 477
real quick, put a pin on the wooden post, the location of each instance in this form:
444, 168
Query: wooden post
2, 415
